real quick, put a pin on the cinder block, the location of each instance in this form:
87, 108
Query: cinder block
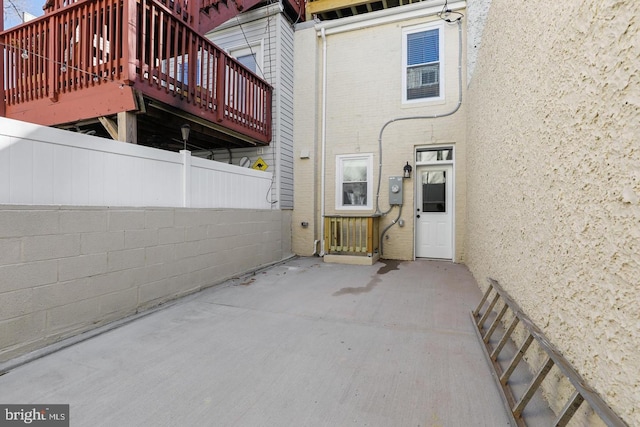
126, 219
17, 303
19, 223
154, 291
22, 329
118, 280
159, 218
75, 315
124, 301
21, 276
122, 260
140, 238
83, 220
160, 254
92, 243
61, 293
188, 249
171, 235
82, 266
196, 233
10, 251
36, 248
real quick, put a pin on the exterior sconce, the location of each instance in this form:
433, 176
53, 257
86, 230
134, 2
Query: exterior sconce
185, 129
407, 171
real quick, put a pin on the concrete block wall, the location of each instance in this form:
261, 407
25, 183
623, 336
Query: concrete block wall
65, 270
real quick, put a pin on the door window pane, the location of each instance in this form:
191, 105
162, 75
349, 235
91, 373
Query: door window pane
434, 191
434, 155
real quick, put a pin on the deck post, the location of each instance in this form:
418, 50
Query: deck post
127, 127
186, 178
129, 42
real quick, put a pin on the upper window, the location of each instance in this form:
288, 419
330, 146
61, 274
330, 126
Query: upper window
354, 183
422, 63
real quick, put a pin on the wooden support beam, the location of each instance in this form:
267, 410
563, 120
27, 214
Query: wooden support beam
110, 127
127, 127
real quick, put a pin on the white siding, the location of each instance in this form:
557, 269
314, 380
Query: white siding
269, 28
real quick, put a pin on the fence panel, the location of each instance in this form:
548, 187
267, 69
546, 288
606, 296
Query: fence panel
46, 166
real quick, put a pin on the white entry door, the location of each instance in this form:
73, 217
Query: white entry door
434, 212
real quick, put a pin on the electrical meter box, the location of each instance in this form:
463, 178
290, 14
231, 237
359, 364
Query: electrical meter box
395, 190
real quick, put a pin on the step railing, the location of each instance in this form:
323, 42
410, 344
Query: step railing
494, 305
352, 235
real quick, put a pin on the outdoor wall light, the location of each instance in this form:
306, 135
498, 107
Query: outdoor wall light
407, 171
185, 129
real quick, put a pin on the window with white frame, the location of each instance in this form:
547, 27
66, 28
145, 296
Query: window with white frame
249, 56
354, 181
422, 63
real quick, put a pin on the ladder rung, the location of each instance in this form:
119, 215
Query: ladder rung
505, 338
488, 312
482, 301
569, 409
526, 397
495, 323
516, 359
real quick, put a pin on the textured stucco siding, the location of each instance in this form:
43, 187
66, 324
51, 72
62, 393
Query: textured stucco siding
66, 270
553, 172
363, 92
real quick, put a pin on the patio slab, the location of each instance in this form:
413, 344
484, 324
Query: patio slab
302, 343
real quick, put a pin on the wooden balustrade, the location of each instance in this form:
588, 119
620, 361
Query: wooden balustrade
118, 45
352, 235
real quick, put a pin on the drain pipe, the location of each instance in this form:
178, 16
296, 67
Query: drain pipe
323, 138
435, 116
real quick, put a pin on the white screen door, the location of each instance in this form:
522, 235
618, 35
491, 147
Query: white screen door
434, 212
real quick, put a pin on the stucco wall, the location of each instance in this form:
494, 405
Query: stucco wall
363, 92
553, 172
65, 270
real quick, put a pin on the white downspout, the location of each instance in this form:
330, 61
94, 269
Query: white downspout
323, 138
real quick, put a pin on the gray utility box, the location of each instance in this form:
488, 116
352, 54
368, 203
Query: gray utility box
395, 190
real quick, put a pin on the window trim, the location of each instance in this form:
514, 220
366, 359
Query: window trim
418, 29
340, 158
254, 47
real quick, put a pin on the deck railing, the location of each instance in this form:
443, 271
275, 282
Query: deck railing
142, 44
352, 235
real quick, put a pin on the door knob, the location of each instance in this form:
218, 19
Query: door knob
417, 216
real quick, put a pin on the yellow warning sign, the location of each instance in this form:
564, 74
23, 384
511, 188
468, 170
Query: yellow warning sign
260, 165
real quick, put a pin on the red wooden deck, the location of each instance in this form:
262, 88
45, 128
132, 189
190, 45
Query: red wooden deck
95, 58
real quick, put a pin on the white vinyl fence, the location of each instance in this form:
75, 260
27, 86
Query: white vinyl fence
46, 166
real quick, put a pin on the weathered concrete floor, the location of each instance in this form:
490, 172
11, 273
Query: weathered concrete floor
300, 344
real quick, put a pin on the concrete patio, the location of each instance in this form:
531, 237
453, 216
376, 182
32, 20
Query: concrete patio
302, 343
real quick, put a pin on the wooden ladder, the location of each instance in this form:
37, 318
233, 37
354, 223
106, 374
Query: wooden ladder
496, 298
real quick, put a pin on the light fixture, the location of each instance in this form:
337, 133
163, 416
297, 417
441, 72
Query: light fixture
407, 170
185, 129
25, 54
